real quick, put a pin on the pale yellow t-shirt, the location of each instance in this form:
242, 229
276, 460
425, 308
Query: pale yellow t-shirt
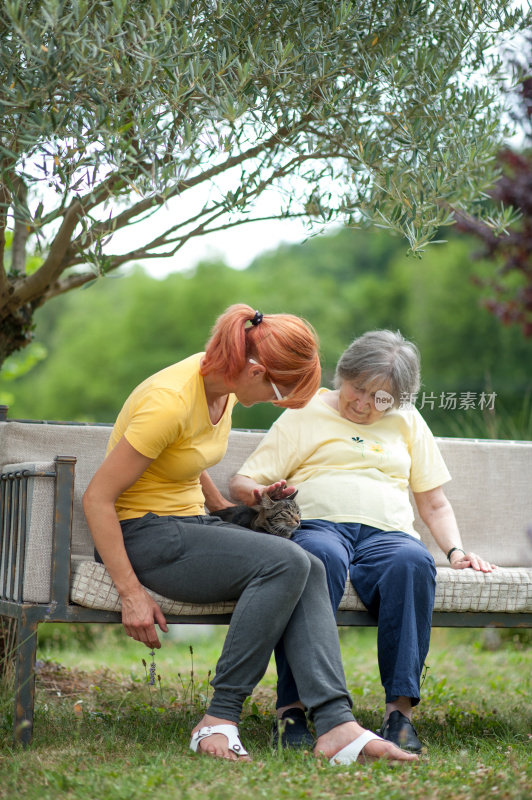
166, 418
345, 472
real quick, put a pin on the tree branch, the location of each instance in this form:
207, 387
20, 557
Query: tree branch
80, 279
215, 211
33, 286
123, 219
90, 200
218, 209
5, 200
201, 230
21, 233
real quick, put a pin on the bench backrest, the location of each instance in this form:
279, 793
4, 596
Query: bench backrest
491, 490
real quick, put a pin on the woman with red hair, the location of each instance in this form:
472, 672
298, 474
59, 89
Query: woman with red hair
145, 507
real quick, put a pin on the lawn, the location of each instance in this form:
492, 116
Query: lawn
101, 731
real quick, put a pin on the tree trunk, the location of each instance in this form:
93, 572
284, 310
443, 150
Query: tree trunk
16, 331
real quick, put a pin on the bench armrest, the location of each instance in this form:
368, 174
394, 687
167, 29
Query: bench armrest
36, 522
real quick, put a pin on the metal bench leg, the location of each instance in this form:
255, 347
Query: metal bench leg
25, 679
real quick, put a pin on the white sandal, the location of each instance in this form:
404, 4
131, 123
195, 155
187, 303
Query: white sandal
350, 753
230, 731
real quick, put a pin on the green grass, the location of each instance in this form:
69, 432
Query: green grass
102, 732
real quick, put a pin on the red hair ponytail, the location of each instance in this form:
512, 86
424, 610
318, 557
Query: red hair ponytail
284, 344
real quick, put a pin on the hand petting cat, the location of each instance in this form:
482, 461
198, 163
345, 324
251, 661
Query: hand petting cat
277, 491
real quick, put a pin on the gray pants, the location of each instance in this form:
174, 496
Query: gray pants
281, 593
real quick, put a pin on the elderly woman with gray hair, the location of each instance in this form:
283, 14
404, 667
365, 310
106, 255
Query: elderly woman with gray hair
353, 454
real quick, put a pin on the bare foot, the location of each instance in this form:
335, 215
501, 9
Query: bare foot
217, 745
339, 737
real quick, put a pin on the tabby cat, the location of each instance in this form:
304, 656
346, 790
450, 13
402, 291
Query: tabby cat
278, 517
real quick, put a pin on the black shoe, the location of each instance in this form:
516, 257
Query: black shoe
399, 730
295, 732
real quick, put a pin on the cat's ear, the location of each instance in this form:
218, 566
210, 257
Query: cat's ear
291, 496
267, 501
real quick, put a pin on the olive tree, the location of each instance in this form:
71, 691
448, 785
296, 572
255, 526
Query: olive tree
365, 112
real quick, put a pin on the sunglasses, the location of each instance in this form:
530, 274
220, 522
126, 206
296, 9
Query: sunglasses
276, 391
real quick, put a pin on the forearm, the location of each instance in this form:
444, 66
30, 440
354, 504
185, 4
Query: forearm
242, 489
107, 536
437, 513
214, 499
444, 528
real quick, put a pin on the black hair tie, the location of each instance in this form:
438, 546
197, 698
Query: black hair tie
257, 319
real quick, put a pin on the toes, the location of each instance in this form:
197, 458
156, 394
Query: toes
395, 753
216, 747
386, 750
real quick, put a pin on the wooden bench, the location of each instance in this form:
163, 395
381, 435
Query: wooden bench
48, 574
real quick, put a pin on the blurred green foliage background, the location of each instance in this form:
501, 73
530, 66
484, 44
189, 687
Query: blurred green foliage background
100, 342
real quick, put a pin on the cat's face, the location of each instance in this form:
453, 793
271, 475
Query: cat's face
279, 517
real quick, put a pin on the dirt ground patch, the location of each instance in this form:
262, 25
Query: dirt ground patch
58, 681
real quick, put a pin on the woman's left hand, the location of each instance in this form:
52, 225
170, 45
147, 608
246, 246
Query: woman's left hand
461, 560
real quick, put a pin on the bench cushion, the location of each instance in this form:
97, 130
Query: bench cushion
91, 586
505, 590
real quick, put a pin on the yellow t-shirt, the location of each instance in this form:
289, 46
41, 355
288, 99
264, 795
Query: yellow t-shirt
345, 472
166, 418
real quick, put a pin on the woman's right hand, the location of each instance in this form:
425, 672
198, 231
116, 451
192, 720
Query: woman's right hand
248, 491
277, 491
140, 612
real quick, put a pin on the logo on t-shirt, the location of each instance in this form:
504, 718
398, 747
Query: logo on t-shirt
371, 446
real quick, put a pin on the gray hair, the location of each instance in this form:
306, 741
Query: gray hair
382, 356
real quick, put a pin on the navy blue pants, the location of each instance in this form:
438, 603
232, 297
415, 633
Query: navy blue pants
395, 577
